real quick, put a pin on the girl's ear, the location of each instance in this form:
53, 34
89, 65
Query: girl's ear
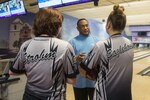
108, 25
59, 31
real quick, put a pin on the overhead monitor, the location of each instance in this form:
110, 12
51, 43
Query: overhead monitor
59, 3
49, 3
86, 0
17, 7
4, 10
67, 2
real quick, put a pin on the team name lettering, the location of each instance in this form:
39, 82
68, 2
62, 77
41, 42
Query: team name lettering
113, 53
39, 57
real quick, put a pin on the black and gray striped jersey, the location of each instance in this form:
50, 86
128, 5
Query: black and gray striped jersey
47, 63
113, 58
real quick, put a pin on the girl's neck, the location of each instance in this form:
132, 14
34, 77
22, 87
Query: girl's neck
114, 32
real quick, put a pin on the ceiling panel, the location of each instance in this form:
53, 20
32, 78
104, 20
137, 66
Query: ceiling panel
137, 11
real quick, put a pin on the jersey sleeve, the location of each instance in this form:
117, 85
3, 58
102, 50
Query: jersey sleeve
18, 65
91, 62
70, 68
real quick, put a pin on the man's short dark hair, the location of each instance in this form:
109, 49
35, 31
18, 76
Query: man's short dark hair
81, 20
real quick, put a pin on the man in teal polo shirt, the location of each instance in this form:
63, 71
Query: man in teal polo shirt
83, 43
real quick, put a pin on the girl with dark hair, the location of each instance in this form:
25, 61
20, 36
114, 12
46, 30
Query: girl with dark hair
113, 61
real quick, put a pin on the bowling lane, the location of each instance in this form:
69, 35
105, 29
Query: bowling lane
141, 84
142, 52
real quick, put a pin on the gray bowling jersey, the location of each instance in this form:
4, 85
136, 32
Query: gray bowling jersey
47, 63
114, 61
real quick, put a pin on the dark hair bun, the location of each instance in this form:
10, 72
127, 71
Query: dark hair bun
118, 9
117, 17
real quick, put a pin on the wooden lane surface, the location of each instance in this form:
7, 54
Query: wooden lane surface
141, 84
